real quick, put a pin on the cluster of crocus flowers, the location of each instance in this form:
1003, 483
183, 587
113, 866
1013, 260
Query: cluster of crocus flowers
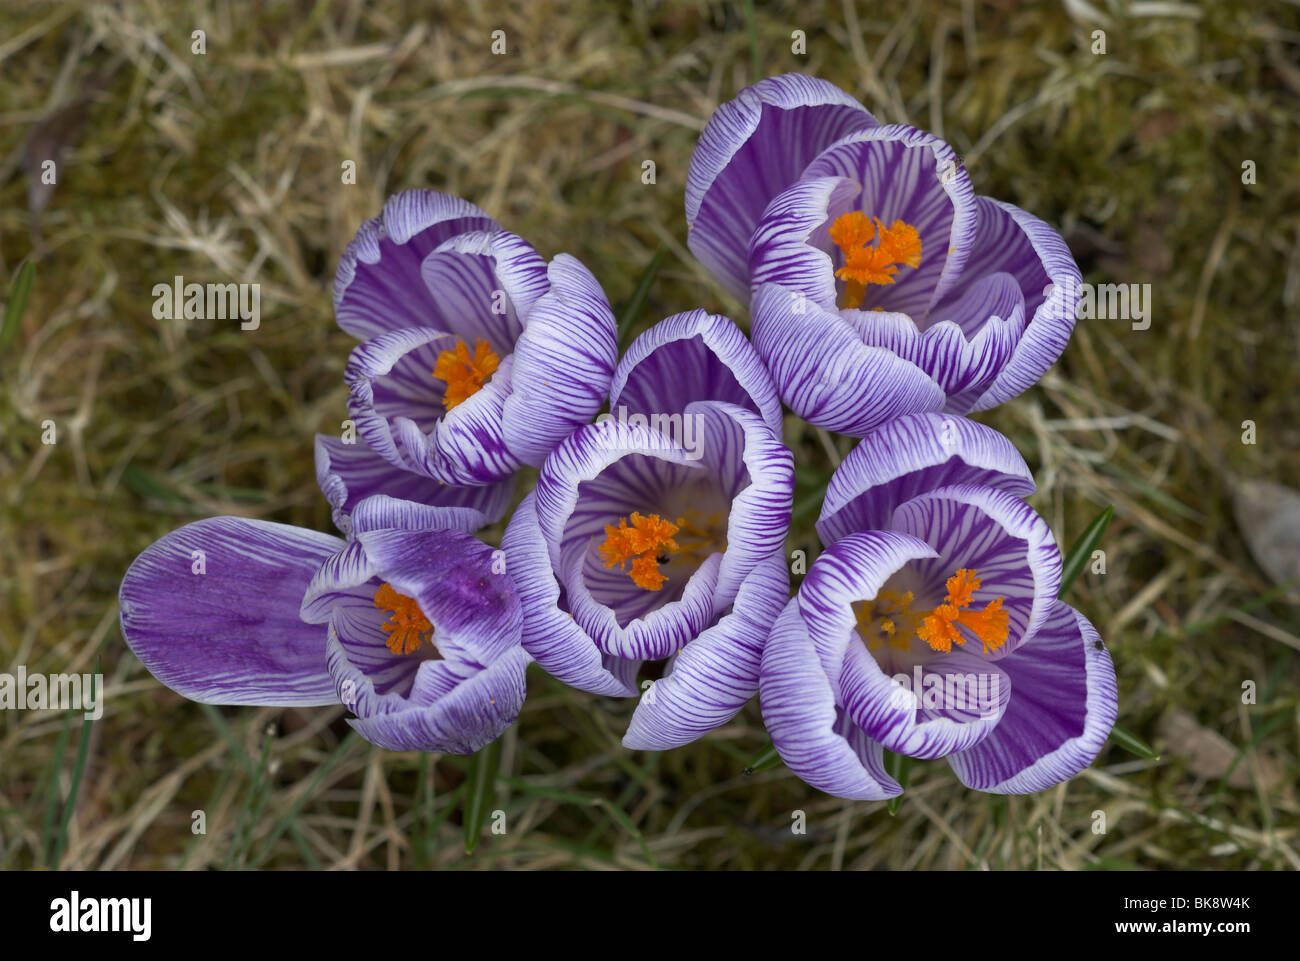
886, 301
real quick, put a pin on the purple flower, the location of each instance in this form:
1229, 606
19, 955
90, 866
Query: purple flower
658, 533
410, 623
478, 355
881, 284
930, 625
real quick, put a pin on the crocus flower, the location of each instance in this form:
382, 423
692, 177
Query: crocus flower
658, 533
409, 623
930, 626
478, 355
881, 284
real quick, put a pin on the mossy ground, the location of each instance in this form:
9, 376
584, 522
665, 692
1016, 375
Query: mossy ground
226, 166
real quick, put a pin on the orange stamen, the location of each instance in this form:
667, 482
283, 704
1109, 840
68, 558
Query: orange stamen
465, 375
990, 626
407, 628
899, 244
640, 544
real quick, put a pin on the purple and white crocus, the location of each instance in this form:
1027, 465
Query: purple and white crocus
410, 623
658, 533
930, 625
479, 356
879, 283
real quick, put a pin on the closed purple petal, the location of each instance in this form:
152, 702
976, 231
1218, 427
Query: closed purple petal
753, 148
378, 286
692, 356
912, 455
812, 737
827, 375
550, 634
716, 673
563, 363
1063, 706
351, 473
211, 610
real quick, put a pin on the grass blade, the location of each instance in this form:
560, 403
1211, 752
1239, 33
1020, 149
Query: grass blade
1133, 744
1077, 556
483, 770
898, 766
765, 761
17, 305
633, 307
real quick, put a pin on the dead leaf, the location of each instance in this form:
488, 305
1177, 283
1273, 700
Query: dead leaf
1209, 754
1269, 517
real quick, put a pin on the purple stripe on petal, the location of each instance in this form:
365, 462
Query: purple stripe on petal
459, 585
958, 702
716, 673
827, 375
912, 455
809, 733
563, 363
1063, 706
377, 287
850, 570
351, 473
753, 148
999, 536
693, 356
550, 634
211, 610
791, 244
909, 175
1011, 241
478, 708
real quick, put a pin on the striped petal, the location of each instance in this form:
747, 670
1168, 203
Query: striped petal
813, 737
563, 363
396, 404
211, 610
550, 635
753, 148
467, 708
378, 286
912, 455
1063, 706
350, 473
484, 284
687, 357
717, 672
948, 704
826, 374
1010, 241
850, 570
